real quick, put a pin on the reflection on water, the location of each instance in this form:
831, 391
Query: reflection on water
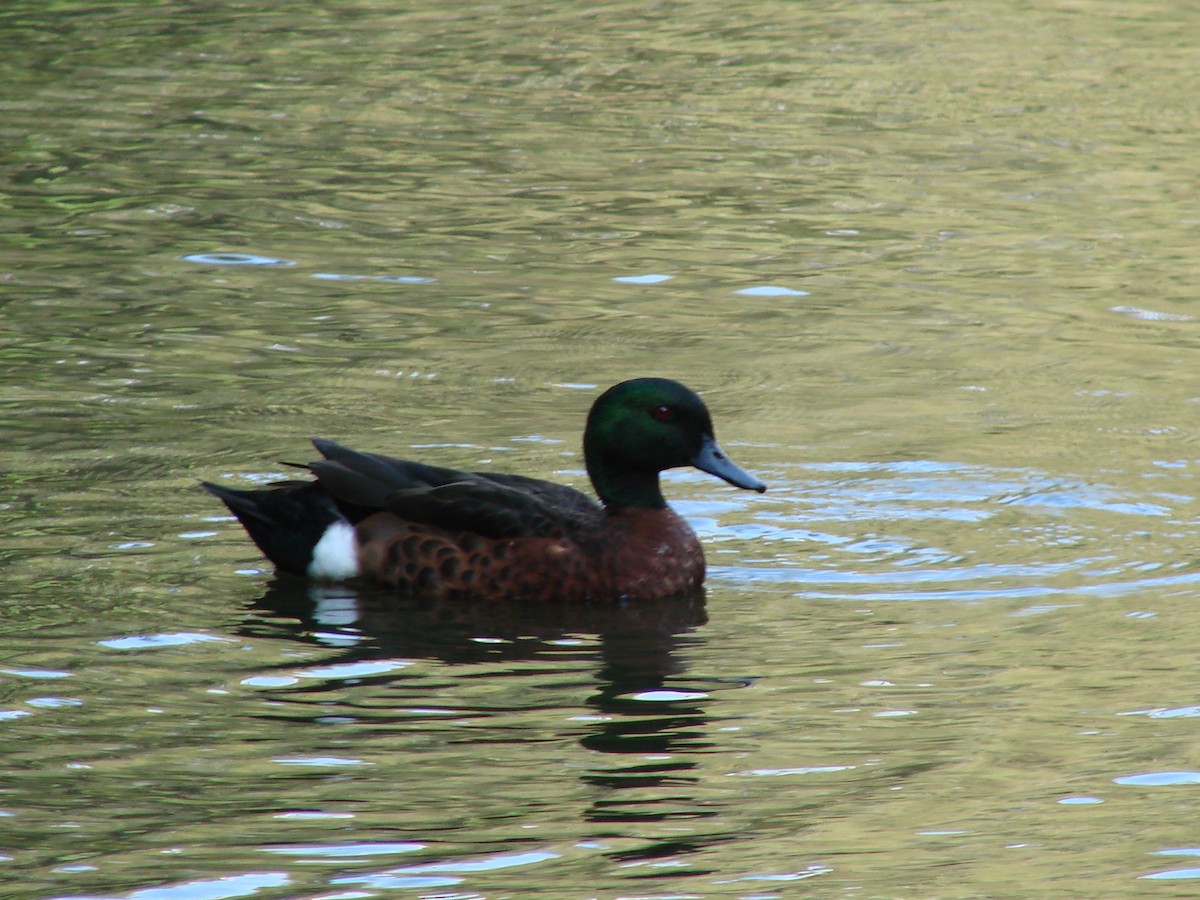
345, 615
642, 709
932, 266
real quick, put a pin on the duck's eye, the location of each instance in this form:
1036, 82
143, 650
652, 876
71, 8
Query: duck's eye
663, 413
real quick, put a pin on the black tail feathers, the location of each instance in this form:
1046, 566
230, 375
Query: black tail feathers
286, 521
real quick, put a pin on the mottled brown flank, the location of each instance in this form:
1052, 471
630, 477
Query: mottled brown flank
636, 553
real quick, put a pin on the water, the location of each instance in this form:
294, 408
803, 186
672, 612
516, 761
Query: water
930, 264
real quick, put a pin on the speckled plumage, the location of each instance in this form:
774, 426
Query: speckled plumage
632, 553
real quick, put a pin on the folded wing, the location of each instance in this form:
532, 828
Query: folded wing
492, 505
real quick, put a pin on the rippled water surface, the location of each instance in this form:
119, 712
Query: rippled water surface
933, 267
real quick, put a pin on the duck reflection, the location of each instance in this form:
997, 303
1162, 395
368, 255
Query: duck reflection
647, 722
377, 621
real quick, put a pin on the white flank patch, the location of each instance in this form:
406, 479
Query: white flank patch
336, 554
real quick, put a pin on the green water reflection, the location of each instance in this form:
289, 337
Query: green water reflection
932, 266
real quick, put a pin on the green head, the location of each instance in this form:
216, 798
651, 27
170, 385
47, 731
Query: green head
640, 427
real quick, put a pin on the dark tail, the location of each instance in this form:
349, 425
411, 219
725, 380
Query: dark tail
285, 521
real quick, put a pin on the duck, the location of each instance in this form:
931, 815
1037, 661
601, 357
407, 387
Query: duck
424, 530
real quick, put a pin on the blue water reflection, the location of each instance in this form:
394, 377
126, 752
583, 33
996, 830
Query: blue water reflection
236, 259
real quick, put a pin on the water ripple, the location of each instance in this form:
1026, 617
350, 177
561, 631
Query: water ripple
235, 259
154, 641
342, 851
1159, 779
443, 872
215, 889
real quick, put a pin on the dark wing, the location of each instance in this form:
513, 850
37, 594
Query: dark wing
495, 506
490, 510
578, 511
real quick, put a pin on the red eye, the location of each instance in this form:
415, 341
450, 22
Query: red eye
663, 413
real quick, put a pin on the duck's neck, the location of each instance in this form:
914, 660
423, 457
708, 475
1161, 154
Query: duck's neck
619, 486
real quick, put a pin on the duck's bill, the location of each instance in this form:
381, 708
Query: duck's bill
712, 459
